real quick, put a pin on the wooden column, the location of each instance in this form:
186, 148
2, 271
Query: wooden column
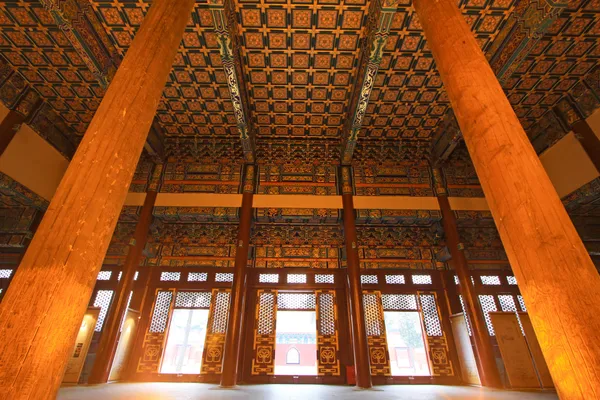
42, 310
118, 309
484, 353
231, 351
356, 306
558, 280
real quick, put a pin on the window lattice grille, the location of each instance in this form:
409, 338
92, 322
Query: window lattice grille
326, 314
296, 278
161, 311
221, 312
395, 279
399, 302
488, 305
102, 300
170, 276
120, 275
431, 318
193, 299
490, 280
102, 275
468, 323
507, 303
456, 281
421, 279
5, 273
511, 280
324, 278
268, 278
521, 303
266, 316
135, 276
224, 277
296, 301
373, 322
197, 277
368, 279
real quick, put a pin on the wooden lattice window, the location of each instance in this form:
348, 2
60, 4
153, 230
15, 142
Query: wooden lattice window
296, 301
170, 276
102, 300
399, 302
488, 305
160, 316
421, 279
368, 279
193, 300
395, 279
431, 318
324, 278
197, 277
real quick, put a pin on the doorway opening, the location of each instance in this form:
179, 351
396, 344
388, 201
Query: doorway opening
296, 335
406, 343
185, 342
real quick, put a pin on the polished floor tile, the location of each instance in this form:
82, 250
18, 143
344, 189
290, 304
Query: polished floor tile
197, 391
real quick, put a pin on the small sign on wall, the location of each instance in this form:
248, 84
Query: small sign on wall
82, 345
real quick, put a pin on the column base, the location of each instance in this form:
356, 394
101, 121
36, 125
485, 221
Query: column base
360, 389
221, 387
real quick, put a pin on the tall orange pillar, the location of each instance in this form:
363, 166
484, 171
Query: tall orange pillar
556, 276
360, 344
231, 351
109, 340
484, 353
43, 308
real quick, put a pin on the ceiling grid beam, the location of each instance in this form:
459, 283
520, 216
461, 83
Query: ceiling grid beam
225, 23
381, 13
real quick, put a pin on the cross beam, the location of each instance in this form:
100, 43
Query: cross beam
226, 27
381, 14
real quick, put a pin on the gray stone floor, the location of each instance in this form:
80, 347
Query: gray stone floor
198, 391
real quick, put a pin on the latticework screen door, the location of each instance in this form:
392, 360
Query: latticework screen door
437, 343
327, 333
212, 357
155, 336
375, 327
263, 360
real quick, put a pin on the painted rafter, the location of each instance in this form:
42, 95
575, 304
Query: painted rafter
528, 22
79, 24
226, 28
381, 13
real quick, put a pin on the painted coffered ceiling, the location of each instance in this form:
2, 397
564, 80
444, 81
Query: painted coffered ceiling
299, 68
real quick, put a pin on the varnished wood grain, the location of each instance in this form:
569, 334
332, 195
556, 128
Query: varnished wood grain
42, 310
558, 281
231, 351
357, 311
